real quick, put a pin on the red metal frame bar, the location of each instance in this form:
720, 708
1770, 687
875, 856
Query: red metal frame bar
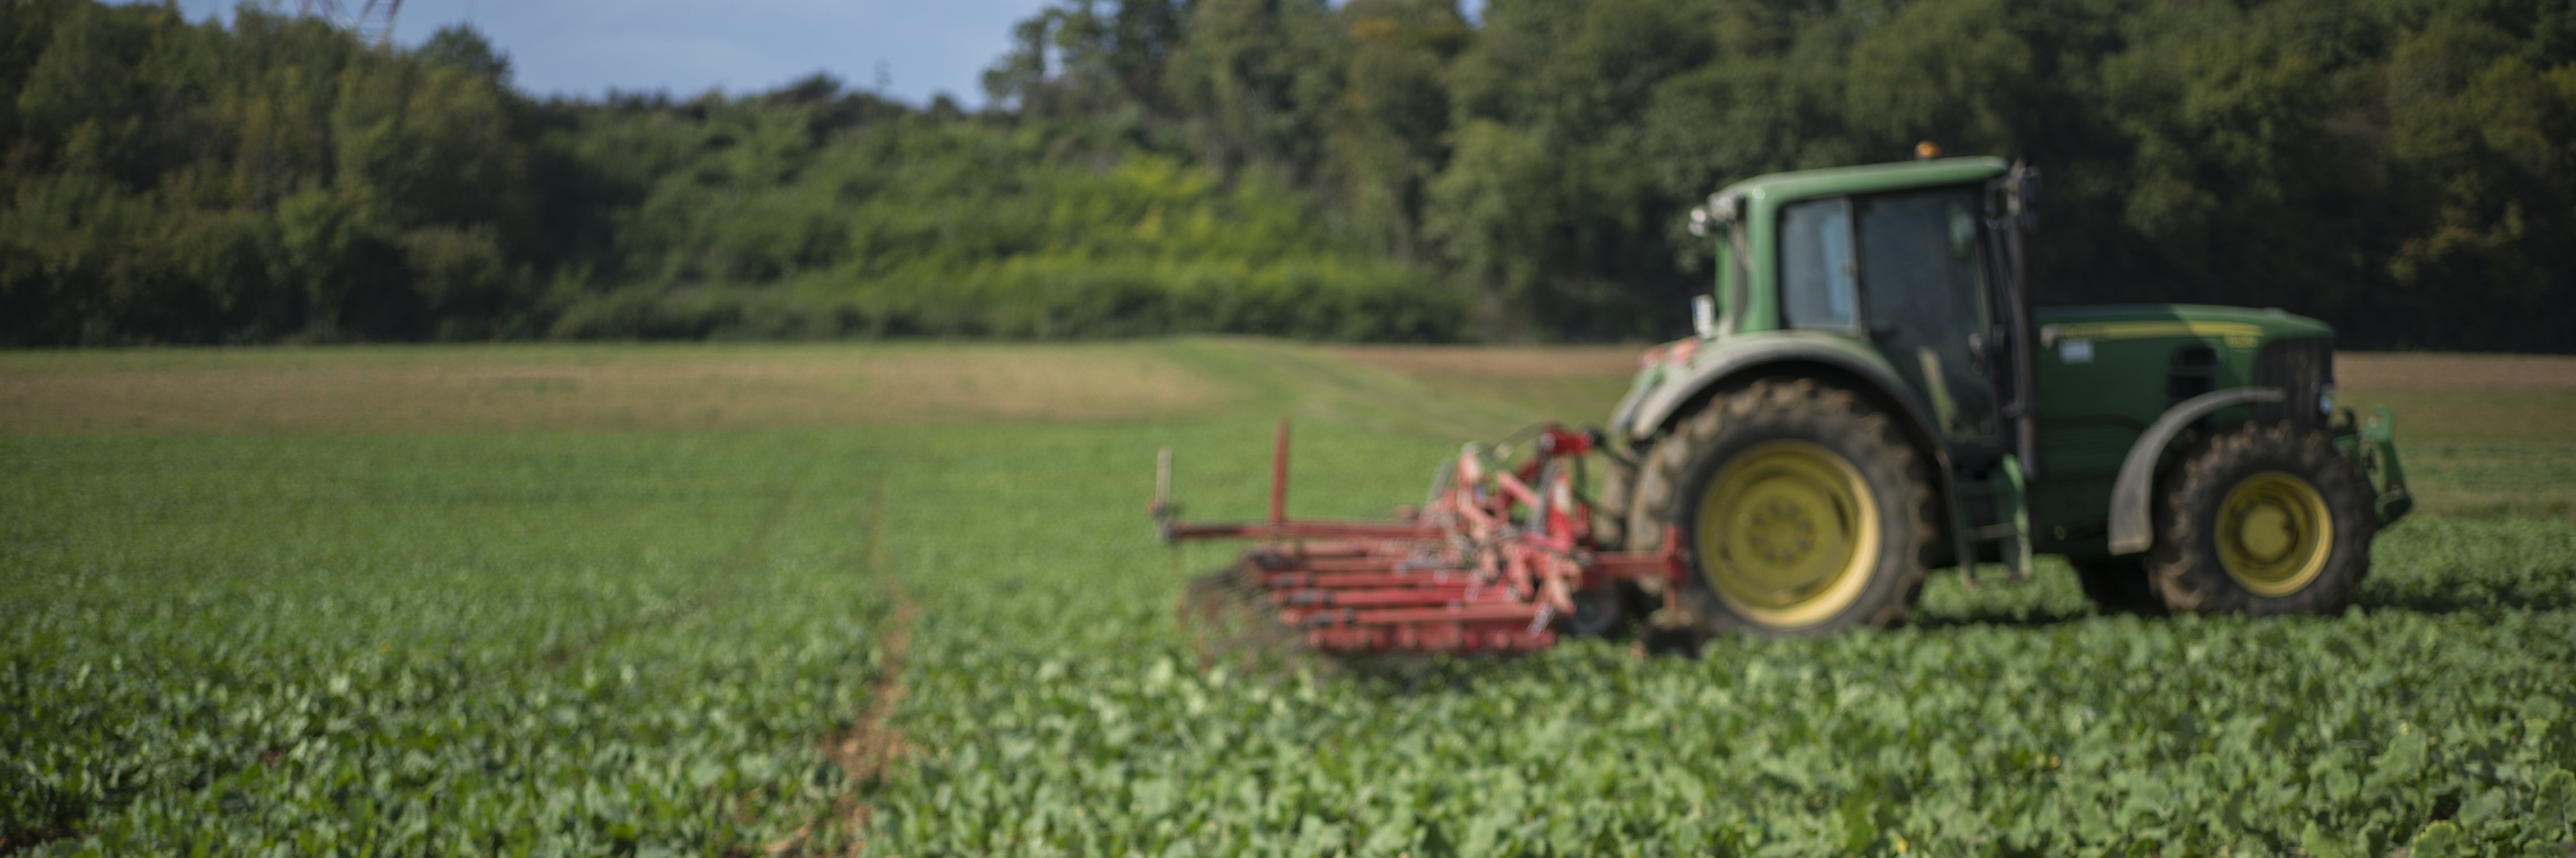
1370, 580
1462, 574
1279, 477
1296, 529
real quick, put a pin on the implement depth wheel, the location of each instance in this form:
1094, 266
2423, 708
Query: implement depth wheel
1600, 612
2263, 520
1807, 513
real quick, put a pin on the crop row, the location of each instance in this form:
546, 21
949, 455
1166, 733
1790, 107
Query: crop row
586, 644
1067, 718
445, 647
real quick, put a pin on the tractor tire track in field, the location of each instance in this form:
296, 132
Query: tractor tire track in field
871, 744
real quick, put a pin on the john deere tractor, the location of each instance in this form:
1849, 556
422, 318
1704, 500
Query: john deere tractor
1870, 395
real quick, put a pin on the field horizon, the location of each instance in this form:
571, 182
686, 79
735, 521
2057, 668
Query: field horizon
2505, 423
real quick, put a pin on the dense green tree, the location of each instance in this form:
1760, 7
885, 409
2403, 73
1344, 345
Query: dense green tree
190, 183
275, 179
1370, 168
2310, 155
1387, 132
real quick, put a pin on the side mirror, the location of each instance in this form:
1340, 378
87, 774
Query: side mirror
1718, 211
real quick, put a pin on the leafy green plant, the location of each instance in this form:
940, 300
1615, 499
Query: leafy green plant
604, 642
578, 644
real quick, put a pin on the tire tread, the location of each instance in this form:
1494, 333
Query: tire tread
1658, 499
2185, 572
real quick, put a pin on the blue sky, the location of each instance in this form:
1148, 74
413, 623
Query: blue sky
586, 47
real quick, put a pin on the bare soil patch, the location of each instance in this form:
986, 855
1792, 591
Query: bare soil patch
2402, 372
2481, 435
2391, 372
1533, 362
2453, 397
534, 388
1574, 385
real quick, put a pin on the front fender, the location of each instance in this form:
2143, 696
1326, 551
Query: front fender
2132, 528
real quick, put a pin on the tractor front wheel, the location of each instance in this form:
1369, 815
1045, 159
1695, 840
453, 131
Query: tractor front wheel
2263, 520
1805, 510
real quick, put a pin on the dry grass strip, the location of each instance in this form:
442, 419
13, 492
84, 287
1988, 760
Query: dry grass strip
529, 388
2411, 372
2390, 372
1522, 362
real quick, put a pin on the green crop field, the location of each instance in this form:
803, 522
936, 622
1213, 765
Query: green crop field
903, 600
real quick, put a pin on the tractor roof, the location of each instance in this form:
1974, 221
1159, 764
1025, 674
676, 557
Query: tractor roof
1868, 178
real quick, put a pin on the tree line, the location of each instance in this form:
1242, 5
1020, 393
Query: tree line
1373, 169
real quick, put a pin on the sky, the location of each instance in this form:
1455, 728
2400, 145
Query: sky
587, 47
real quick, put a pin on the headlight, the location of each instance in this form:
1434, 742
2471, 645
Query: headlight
2325, 399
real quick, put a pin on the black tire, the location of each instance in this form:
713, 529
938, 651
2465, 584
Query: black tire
1601, 612
2118, 585
2186, 565
1676, 475
1610, 511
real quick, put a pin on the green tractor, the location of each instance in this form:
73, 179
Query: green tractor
1870, 396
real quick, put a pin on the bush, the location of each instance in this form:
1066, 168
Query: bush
1044, 298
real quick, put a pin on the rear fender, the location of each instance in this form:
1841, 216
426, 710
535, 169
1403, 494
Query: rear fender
1649, 410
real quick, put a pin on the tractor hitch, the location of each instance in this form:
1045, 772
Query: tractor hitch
2375, 443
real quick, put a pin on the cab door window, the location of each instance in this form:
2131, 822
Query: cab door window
1923, 267
1819, 276
1921, 252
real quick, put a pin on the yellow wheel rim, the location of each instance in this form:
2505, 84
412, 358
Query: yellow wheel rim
1787, 534
2274, 533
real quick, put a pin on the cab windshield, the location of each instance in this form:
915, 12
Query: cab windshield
1920, 262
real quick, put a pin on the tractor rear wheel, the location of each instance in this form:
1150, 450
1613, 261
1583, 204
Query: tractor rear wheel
1806, 511
1610, 513
2263, 520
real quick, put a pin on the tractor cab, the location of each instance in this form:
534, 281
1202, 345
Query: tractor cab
1902, 282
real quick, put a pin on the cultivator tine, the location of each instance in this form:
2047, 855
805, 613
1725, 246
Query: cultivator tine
1231, 621
1439, 486
1279, 476
1487, 564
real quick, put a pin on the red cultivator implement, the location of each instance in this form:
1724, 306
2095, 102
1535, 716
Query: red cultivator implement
1497, 559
